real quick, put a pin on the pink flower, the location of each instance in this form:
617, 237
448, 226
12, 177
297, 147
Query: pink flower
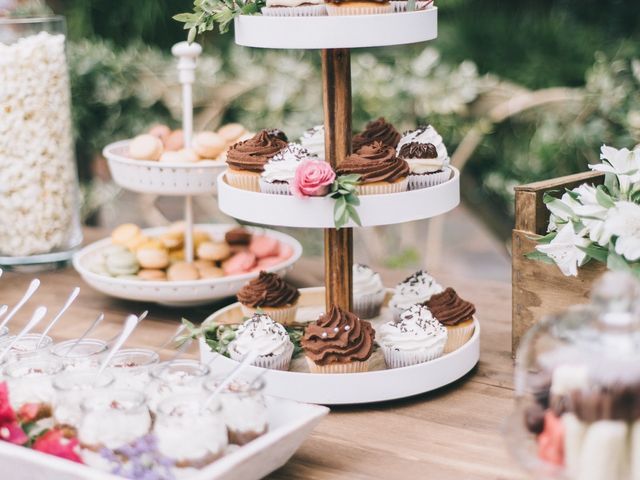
12, 432
312, 179
55, 443
7, 414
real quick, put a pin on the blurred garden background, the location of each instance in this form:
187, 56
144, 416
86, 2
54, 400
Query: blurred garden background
521, 90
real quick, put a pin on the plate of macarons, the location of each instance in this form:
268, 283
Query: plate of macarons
157, 161
149, 265
393, 343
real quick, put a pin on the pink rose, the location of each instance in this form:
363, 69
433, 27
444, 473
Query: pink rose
313, 179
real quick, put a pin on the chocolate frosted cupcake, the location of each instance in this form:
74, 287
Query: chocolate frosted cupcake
379, 169
338, 342
454, 313
270, 294
378, 130
246, 159
281, 169
349, 7
427, 157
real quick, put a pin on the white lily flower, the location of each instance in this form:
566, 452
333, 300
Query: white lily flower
623, 163
623, 221
564, 251
591, 214
562, 211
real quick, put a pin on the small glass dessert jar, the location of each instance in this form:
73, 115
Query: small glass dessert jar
244, 409
30, 383
189, 433
71, 388
32, 345
177, 377
112, 419
83, 355
131, 368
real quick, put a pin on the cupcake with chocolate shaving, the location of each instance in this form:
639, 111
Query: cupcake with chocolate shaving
426, 154
271, 295
456, 315
338, 342
377, 130
246, 160
379, 169
281, 169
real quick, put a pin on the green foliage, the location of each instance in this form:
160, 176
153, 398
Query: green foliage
207, 13
345, 192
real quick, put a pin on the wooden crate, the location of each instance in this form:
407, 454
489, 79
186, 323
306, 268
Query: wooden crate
540, 289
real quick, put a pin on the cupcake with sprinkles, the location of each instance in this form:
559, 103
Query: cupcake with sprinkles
456, 315
281, 169
271, 295
338, 342
313, 141
426, 154
418, 288
417, 338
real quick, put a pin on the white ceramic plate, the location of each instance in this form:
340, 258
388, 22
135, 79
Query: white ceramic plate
334, 389
160, 178
196, 292
324, 32
290, 423
317, 212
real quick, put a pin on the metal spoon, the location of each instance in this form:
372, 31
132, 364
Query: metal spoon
141, 317
183, 348
33, 286
91, 328
129, 326
65, 307
37, 316
3, 310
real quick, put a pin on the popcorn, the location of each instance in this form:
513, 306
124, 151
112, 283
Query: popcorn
38, 184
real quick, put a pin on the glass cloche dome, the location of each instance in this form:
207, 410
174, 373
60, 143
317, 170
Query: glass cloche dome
577, 385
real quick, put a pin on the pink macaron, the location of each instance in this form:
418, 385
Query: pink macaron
267, 262
262, 246
241, 262
285, 252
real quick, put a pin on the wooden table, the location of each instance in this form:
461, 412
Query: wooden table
451, 434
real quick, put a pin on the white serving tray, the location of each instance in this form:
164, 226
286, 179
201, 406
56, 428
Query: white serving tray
317, 212
353, 388
325, 32
290, 423
161, 178
195, 292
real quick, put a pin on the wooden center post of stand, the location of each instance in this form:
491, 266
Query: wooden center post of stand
338, 244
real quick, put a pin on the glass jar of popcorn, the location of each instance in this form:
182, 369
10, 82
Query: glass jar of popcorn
39, 194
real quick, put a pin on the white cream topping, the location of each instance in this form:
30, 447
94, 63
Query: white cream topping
293, 3
425, 165
366, 281
416, 330
30, 389
418, 288
567, 378
244, 412
177, 382
282, 166
262, 335
313, 141
113, 428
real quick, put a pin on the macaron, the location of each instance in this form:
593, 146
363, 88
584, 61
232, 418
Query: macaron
145, 147
184, 155
267, 262
215, 251
209, 145
99, 266
176, 255
160, 131
285, 252
175, 141
203, 264
231, 132
125, 233
212, 272
152, 275
137, 241
122, 263
241, 262
152, 257
263, 246
200, 237
182, 272
172, 240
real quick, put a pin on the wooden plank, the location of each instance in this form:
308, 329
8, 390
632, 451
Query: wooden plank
336, 87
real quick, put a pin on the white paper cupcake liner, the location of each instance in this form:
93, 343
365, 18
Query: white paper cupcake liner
274, 188
416, 182
401, 6
272, 362
402, 358
333, 10
300, 11
352, 367
243, 180
368, 306
458, 335
382, 188
283, 315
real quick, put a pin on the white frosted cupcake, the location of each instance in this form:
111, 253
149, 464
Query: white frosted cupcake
418, 288
368, 292
417, 338
279, 171
313, 141
426, 154
269, 339
294, 8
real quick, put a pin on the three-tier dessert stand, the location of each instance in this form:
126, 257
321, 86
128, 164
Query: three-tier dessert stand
334, 36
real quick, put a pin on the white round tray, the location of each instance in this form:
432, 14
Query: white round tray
161, 178
350, 31
336, 389
317, 212
190, 293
